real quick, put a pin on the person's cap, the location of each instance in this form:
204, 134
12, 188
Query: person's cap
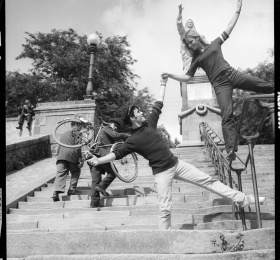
27, 101
126, 114
117, 123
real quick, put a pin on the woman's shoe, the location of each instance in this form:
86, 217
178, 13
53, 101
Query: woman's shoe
231, 154
250, 200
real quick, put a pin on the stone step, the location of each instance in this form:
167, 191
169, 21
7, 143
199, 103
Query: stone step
206, 153
112, 201
129, 200
262, 182
188, 189
149, 184
188, 193
199, 195
203, 218
89, 219
188, 221
268, 254
117, 199
134, 201
246, 179
83, 205
88, 212
134, 242
218, 225
233, 225
55, 214
149, 187
207, 168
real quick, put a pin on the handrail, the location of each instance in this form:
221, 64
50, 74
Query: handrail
222, 165
251, 140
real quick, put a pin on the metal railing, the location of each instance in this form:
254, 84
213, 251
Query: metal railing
222, 165
215, 146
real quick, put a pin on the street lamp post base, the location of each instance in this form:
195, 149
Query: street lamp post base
88, 97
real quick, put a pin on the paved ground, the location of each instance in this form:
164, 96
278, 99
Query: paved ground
19, 183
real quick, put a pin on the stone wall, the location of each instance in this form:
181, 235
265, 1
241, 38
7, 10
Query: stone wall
21, 154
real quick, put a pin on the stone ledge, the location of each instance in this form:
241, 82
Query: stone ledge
21, 154
11, 119
26, 143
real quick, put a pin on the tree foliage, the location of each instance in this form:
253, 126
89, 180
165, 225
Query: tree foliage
264, 70
20, 87
61, 69
60, 72
165, 136
62, 57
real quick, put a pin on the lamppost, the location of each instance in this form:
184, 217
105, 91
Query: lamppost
93, 41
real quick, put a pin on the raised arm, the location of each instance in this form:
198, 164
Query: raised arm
182, 78
161, 94
180, 27
234, 18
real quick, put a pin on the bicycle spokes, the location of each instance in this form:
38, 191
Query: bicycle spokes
126, 168
82, 133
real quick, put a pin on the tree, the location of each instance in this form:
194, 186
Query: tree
61, 63
166, 136
20, 87
176, 141
63, 57
264, 70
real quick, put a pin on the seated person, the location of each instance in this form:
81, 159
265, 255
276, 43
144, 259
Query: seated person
26, 112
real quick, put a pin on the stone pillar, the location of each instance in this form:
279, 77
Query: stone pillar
198, 92
48, 114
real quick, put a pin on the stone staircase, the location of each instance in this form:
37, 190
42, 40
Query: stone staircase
203, 225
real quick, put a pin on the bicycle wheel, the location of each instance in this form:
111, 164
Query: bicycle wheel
82, 133
126, 168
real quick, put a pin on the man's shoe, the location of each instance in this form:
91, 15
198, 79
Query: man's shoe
56, 196
95, 204
72, 192
250, 200
19, 127
102, 191
231, 154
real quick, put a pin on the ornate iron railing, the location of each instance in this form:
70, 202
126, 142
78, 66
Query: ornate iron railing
215, 145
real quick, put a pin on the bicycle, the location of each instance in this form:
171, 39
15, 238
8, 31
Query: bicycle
126, 169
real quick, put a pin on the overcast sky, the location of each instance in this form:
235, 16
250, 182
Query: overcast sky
150, 26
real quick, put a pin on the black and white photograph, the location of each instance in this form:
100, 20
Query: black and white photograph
139, 129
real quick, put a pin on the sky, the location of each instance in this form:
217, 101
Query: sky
150, 27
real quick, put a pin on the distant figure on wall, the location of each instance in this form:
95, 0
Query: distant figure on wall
186, 56
26, 112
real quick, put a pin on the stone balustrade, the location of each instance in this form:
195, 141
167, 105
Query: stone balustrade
23, 153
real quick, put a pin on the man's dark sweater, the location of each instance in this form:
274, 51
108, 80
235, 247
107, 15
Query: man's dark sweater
147, 142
